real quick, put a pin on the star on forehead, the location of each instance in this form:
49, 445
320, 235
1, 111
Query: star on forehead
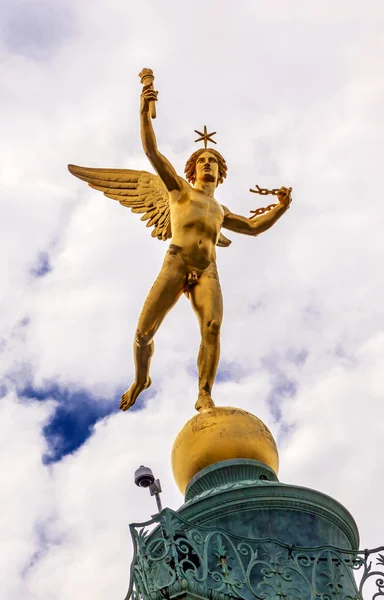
206, 137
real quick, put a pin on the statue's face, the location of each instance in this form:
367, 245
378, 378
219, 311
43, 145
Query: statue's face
207, 167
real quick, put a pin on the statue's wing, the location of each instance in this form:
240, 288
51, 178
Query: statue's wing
140, 191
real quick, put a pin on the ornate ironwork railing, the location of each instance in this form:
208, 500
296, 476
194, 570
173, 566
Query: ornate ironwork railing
177, 557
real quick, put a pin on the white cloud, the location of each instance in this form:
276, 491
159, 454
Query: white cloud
25, 488
296, 98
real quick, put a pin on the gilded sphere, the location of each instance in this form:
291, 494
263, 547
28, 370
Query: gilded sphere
220, 433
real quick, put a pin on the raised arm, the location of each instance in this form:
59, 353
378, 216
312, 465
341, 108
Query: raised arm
161, 165
257, 224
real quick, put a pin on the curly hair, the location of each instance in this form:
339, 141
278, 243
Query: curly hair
190, 166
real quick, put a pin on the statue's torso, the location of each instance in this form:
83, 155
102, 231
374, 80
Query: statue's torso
196, 220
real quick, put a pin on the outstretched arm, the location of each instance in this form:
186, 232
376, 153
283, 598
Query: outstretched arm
259, 223
161, 165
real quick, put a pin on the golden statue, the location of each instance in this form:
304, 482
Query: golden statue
187, 213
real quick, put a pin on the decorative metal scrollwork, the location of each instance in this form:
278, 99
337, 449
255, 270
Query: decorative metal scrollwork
178, 557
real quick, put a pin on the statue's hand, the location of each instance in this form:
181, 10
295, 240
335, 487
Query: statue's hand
284, 196
147, 96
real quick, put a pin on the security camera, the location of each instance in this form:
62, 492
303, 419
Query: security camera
144, 477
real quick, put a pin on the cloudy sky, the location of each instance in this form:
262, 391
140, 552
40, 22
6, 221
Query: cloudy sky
295, 91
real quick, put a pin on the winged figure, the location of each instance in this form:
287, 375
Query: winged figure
140, 191
185, 212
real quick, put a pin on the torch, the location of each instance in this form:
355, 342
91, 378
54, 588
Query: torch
147, 79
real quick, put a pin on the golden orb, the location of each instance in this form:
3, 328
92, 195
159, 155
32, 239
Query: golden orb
220, 433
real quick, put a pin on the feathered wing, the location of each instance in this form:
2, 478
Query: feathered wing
140, 191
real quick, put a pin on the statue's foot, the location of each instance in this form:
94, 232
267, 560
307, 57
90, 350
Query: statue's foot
204, 401
129, 397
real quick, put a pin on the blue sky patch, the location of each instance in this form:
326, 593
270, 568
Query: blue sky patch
44, 541
283, 387
77, 412
42, 266
73, 419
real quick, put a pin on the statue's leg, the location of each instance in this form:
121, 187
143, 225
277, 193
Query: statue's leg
207, 302
163, 295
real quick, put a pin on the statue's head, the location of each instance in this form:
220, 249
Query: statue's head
206, 164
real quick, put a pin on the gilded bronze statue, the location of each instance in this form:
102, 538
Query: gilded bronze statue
187, 213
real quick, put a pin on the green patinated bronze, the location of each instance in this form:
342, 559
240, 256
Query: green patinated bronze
222, 475
242, 534
180, 560
244, 497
